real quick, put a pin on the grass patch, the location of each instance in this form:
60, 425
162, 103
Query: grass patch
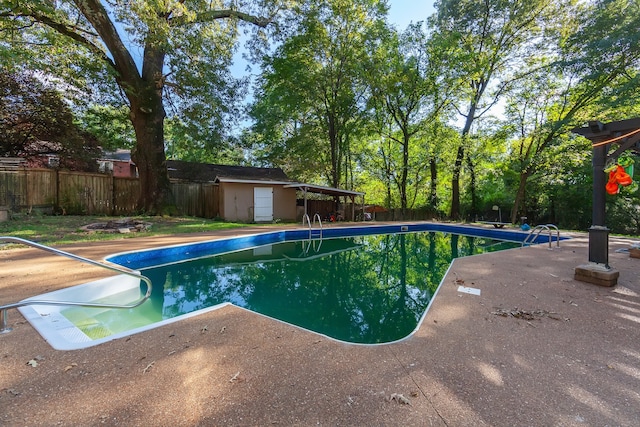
60, 230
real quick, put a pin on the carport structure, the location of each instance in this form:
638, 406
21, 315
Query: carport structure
329, 191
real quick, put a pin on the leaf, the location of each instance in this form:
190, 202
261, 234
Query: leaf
399, 398
33, 363
148, 367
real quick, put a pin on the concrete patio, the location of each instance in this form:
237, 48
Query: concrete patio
535, 348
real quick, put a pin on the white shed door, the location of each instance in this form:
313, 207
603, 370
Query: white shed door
262, 204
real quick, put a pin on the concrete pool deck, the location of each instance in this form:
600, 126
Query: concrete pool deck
565, 353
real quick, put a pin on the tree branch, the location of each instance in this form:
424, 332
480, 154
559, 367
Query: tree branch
98, 17
213, 15
66, 30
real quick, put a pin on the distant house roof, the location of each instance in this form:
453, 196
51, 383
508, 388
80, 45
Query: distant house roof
202, 172
11, 163
122, 155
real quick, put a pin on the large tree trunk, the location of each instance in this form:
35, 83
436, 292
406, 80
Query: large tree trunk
404, 174
455, 184
472, 187
433, 194
147, 116
457, 166
149, 157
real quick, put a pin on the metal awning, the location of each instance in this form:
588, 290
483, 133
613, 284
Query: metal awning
312, 188
330, 191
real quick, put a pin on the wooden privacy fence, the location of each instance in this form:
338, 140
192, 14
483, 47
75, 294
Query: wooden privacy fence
197, 199
78, 193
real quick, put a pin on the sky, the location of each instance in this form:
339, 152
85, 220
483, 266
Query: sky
403, 12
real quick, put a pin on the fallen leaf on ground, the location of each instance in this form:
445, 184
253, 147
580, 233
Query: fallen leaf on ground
525, 314
148, 368
70, 367
399, 398
234, 377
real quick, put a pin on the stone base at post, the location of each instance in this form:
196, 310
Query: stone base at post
597, 274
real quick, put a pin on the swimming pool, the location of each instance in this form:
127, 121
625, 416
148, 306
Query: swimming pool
364, 285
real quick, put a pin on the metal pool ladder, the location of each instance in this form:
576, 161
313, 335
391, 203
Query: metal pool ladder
535, 232
319, 231
122, 270
306, 219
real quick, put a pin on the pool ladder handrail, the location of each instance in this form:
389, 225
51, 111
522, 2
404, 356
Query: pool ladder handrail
122, 270
311, 241
306, 219
535, 232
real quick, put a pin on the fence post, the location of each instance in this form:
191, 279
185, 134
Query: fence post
57, 196
112, 196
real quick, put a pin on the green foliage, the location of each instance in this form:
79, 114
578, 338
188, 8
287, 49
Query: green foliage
35, 121
147, 54
344, 100
110, 125
183, 142
403, 102
623, 215
307, 105
561, 192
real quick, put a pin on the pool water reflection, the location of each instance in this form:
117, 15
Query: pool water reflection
362, 289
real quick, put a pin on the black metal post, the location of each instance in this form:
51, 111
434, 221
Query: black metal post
599, 233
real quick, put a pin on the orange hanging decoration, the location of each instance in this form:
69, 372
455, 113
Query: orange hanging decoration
612, 185
618, 176
622, 177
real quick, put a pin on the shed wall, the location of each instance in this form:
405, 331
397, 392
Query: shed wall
236, 201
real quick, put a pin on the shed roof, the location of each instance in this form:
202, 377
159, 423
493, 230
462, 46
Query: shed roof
203, 172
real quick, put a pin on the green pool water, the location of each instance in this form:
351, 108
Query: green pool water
363, 289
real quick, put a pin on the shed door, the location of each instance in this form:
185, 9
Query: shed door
263, 204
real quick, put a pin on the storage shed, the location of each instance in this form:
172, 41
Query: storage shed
251, 194
245, 194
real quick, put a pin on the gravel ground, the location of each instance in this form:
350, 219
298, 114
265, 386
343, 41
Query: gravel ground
535, 348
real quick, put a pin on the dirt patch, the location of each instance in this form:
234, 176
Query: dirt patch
125, 225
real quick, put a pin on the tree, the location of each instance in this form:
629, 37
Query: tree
35, 121
310, 100
486, 39
185, 47
594, 67
404, 101
184, 141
